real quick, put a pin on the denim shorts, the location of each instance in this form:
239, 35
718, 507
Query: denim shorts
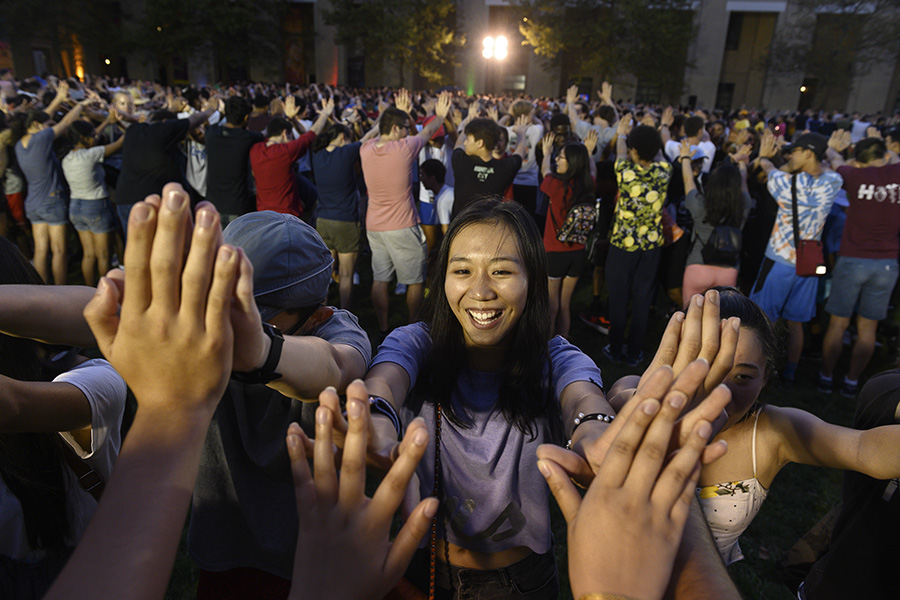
863, 284
50, 210
780, 292
95, 216
533, 578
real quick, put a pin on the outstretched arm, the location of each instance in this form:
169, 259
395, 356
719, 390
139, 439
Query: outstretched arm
176, 322
51, 314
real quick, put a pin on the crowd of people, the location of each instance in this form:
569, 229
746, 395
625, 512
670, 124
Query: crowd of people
233, 208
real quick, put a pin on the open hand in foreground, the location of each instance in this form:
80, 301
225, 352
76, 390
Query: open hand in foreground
638, 503
343, 546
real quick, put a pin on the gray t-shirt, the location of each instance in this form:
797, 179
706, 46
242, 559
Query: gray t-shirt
84, 173
495, 496
243, 511
41, 169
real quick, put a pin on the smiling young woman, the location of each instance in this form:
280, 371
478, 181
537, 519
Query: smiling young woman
491, 385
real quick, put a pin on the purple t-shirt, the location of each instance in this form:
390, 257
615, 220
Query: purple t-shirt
493, 491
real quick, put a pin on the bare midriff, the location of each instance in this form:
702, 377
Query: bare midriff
469, 559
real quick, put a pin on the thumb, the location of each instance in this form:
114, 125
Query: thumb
562, 488
102, 314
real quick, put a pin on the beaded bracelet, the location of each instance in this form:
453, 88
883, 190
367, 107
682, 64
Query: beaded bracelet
581, 418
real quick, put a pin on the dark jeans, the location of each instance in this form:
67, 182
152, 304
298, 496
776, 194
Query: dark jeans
630, 276
534, 578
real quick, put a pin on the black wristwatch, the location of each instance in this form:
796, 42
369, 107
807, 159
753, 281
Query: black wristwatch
265, 373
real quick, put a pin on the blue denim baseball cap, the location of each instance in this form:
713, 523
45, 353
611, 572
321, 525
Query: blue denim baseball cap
291, 264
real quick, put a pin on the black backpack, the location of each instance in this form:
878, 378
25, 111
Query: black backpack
723, 247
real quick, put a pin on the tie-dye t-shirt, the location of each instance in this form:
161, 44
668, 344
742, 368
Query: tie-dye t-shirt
642, 193
815, 195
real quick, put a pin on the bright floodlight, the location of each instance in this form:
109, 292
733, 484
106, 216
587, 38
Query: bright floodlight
500, 53
802, 89
487, 53
488, 42
501, 42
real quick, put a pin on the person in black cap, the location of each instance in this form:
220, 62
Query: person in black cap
243, 526
778, 290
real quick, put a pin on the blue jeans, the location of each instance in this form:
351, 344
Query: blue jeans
534, 578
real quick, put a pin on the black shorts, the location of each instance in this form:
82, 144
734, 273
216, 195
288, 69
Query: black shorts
565, 264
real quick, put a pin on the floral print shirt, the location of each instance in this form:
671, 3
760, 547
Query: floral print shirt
642, 193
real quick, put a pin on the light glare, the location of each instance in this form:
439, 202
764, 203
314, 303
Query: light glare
488, 42
500, 53
502, 42
487, 53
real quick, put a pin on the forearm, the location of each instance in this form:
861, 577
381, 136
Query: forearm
41, 406
687, 174
621, 147
665, 134
310, 364
134, 534
834, 158
522, 145
57, 102
67, 120
197, 119
545, 164
319, 124
699, 571
51, 314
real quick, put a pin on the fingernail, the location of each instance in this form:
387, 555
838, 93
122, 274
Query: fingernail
292, 441
431, 508
101, 286
420, 437
677, 400
698, 300
354, 408
736, 323
140, 212
175, 200
679, 317
321, 415
704, 430
226, 253
544, 468
205, 218
713, 297
650, 407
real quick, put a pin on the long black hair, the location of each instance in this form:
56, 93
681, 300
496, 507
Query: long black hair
31, 464
522, 397
724, 196
579, 185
